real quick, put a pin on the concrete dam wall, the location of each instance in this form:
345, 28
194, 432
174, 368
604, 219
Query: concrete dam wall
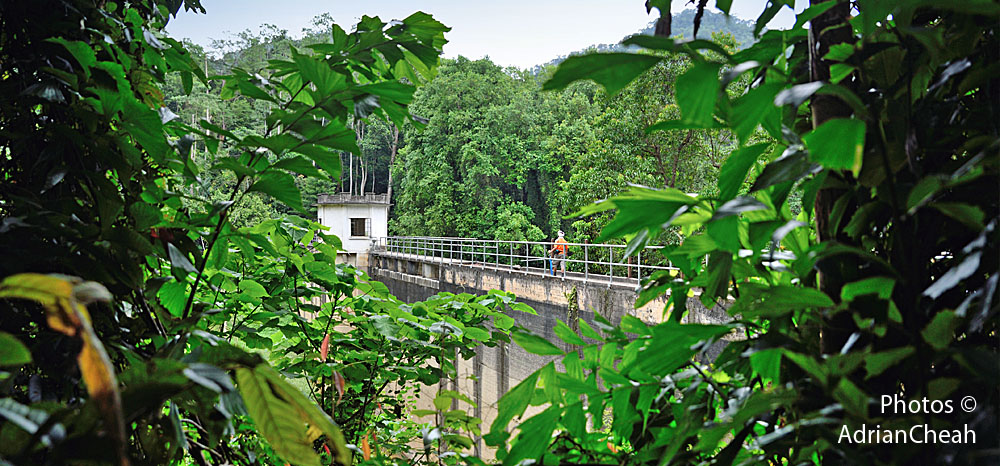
493, 371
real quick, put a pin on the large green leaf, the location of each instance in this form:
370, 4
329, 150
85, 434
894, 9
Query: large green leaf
877, 363
634, 325
535, 344
286, 418
567, 334
734, 171
719, 273
327, 159
881, 286
280, 186
319, 73
969, 215
923, 191
428, 30
299, 165
145, 215
777, 300
512, 404
738, 206
756, 107
790, 167
144, 125
252, 288
396, 91
838, 144
81, 51
672, 344
248, 89
612, 70
179, 262
940, 330
725, 232
12, 351
767, 363
797, 94
535, 436
636, 214
503, 321
173, 296
697, 92
641, 208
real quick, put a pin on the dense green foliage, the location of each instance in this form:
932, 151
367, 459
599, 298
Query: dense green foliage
500, 158
883, 285
488, 161
122, 250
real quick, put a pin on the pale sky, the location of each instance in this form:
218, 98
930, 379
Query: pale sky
512, 33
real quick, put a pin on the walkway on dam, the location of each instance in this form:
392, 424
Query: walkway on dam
587, 263
539, 272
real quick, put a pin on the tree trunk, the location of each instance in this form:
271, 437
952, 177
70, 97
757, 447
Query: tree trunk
677, 157
825, 31
359, 132
393, 148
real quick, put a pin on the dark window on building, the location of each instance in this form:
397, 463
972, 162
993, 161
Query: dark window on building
359, 227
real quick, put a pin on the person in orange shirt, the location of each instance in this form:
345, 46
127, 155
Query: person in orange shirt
558, 253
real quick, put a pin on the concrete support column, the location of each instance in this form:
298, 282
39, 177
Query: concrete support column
477, 388
454, 380
503, 370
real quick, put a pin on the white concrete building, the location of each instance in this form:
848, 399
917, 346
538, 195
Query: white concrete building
356, 220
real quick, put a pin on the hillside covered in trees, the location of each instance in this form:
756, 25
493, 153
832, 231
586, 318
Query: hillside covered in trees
493, 156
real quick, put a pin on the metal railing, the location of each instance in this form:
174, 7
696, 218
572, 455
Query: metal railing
584, 261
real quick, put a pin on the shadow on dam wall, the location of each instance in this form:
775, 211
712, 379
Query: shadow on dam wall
492, 371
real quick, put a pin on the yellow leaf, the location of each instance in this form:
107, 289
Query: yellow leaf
45, 289
283, 415
64, 314
313, 433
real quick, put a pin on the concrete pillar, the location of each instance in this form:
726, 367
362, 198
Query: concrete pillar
477, 384
503, 369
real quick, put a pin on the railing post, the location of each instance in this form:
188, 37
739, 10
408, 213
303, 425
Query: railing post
638, 269
611, 267
586, 263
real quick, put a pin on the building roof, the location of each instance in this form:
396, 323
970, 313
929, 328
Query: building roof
346, 198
